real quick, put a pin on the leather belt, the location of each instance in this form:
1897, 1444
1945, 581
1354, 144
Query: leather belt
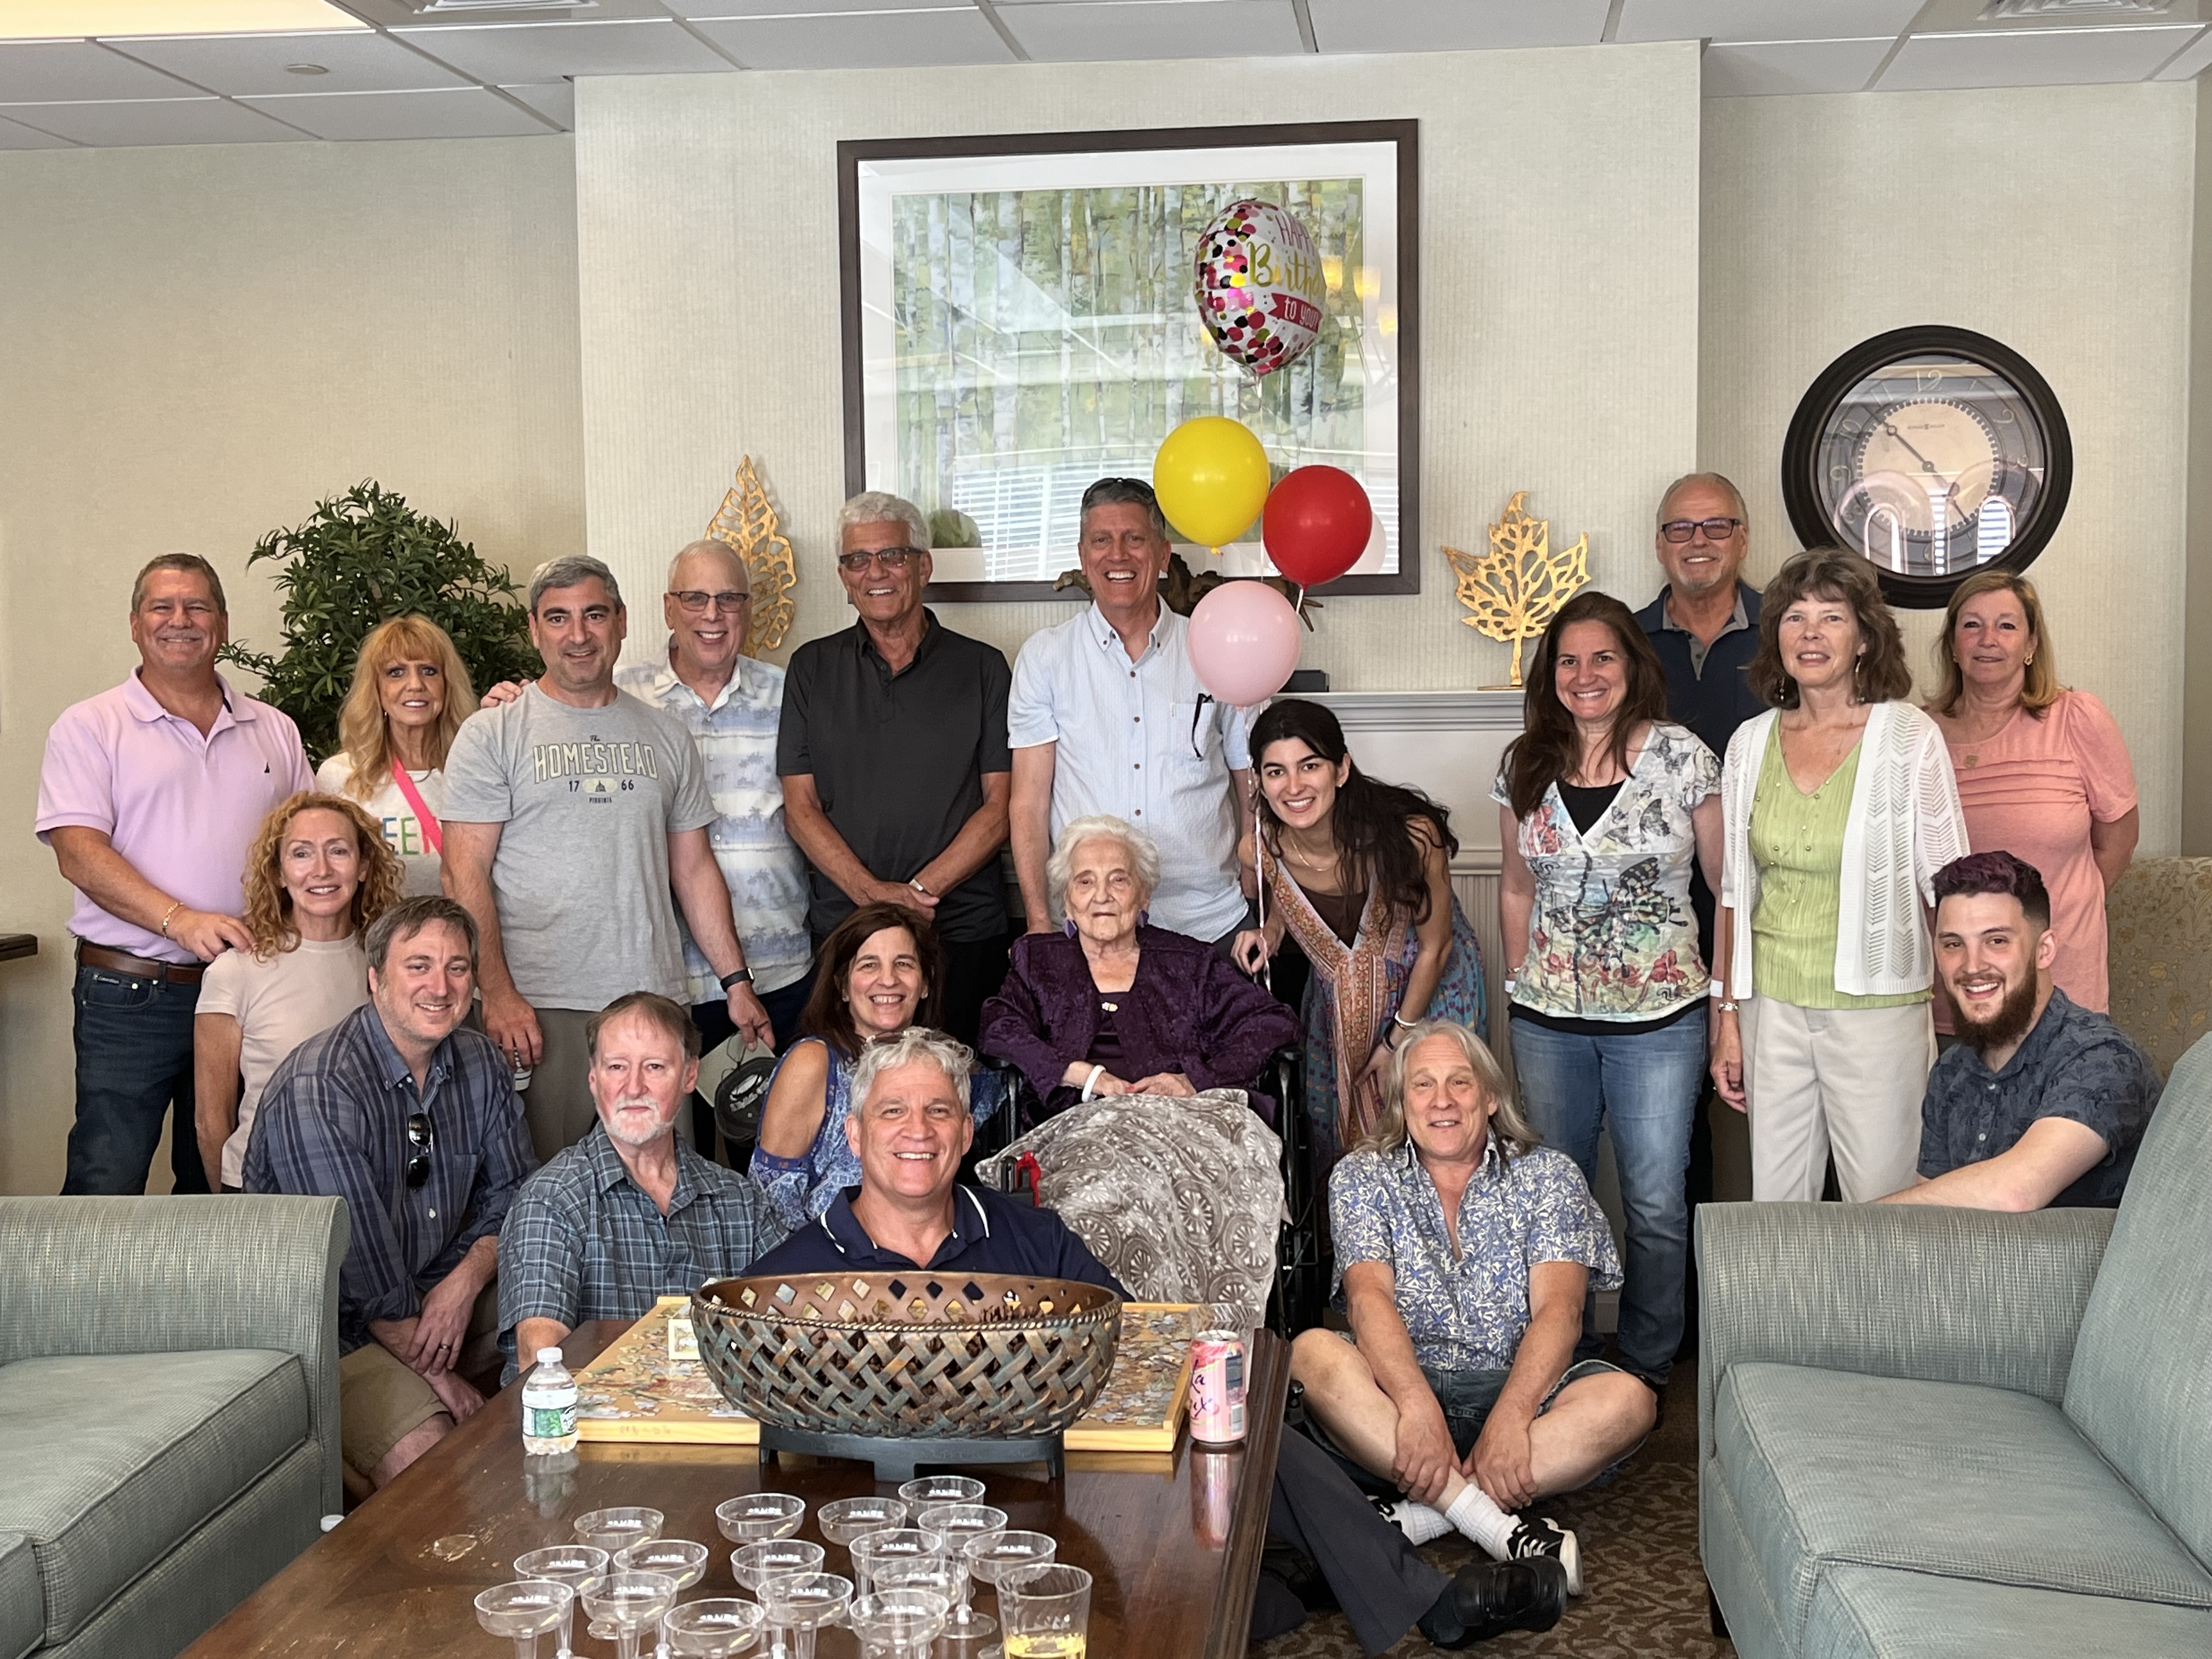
90, 955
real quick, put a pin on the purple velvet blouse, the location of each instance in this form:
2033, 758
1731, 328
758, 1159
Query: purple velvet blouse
1189, 1011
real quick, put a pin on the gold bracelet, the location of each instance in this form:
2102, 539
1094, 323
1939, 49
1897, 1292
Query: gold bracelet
166, 918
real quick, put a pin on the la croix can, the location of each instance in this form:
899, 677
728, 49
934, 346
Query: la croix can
1216, 1388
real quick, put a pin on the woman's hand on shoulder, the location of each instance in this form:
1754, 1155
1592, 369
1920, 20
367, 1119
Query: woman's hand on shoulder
796, 1102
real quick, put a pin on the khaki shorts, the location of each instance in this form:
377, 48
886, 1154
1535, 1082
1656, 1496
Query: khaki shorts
382, 1400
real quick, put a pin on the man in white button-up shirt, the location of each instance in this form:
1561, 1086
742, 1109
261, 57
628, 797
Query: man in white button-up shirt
1107, 715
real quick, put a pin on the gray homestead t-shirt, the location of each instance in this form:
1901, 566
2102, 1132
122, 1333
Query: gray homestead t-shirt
589, 798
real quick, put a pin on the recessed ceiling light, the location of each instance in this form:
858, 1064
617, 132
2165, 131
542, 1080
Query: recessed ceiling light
1997, 9
63, 20
305, 69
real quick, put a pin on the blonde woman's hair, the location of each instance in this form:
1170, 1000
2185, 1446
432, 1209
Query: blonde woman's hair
269, 906
2041, 688
1515, 1138
363, 731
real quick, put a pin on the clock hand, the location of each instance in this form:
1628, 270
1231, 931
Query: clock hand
1926, 465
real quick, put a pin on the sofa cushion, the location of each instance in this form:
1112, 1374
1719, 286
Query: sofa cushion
22, 1604
2139, 1388
1876, 1613
115, 1459
1831, 1467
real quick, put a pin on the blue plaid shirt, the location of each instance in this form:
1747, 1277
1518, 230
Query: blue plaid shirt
333, 1123
584, 1241
1468, 1312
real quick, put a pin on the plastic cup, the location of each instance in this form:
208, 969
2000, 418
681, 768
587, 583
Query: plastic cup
849, 1517
891, 1544
716, 1628
1045, 1612
900, 1623
942, 1489
523, 1611
760, 1515
617, 1529
573, 1565
801, 1603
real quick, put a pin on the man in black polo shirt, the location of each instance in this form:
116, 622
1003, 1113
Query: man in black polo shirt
2042, 1103
893, 753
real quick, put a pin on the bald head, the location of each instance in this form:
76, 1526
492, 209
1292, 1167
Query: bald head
708, 606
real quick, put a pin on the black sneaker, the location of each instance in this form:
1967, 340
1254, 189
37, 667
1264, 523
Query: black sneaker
1492, 1597
1535, 1536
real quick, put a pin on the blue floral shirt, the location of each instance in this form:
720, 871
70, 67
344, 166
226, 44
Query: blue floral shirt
1468, 1312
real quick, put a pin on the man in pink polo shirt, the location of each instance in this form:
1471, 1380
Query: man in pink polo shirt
149, 796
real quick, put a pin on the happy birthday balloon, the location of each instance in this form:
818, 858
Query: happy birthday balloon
1258, 285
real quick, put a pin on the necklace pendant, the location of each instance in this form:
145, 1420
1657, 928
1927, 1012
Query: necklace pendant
1110, 1007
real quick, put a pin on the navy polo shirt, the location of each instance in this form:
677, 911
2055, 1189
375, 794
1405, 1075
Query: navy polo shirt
991, 1234
1715, 697
2074, 1064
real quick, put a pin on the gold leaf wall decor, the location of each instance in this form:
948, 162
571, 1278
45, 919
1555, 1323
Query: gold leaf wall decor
748, 522
1514, 589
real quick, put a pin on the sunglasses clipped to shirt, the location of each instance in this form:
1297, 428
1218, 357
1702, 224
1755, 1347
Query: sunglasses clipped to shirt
420, 1140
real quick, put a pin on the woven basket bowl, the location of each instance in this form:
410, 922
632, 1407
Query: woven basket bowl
915, 1355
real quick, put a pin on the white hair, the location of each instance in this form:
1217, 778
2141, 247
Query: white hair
881, 506
917, 1042
1143, 854
737, 560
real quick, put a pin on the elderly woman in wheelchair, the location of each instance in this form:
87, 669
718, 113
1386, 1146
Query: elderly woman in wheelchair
1110, 1006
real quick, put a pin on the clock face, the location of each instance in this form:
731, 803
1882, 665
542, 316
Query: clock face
1933, 454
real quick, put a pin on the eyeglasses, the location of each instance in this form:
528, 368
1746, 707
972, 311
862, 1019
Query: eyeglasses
1678, 531
420, 1140
695, 600
892, 558
1118, 487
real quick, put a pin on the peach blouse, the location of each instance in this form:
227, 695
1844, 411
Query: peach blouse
2033, 790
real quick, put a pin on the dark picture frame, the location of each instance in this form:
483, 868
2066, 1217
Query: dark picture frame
1403, 134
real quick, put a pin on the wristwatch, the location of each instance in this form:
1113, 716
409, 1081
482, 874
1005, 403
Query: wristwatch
743, 976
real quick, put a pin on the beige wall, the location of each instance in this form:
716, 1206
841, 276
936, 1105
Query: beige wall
2060, 220
195, 345
2197, 727
1559, 224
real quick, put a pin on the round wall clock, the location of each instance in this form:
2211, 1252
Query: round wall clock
1935, 452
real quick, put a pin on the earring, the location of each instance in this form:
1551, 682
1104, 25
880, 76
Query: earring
2031, 659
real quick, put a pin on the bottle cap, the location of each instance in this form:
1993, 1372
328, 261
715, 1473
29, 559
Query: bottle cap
549, 1356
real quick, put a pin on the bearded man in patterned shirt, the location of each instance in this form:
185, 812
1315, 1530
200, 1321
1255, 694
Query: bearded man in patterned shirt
1464, 1250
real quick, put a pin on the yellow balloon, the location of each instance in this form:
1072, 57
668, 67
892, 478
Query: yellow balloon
1211, 477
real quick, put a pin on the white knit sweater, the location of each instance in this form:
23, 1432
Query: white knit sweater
1905, 825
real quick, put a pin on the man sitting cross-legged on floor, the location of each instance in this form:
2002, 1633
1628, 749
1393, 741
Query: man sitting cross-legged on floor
628, 1214
1464, 1250
2041, 1101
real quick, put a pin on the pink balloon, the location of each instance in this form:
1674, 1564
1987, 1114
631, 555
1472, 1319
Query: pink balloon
1243, 642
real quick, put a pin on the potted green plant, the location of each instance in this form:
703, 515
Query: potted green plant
358, 559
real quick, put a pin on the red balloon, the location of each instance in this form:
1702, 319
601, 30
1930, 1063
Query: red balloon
1318, 524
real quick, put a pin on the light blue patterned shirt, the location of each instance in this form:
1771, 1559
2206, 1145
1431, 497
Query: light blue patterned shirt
735, 739
1468, 1312
1143, 741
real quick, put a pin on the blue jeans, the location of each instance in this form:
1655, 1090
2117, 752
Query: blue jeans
134, 1060
1645, 1089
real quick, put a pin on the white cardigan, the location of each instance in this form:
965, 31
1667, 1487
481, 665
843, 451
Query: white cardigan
1905, 825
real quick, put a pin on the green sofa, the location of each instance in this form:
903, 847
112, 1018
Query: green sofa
169, 1412
1928, 1432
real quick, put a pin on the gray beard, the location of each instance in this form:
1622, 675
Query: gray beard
2014, 1019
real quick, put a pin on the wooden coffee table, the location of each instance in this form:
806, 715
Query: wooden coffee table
1172, 1540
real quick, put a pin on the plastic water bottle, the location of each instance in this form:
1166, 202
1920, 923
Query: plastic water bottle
549, 1407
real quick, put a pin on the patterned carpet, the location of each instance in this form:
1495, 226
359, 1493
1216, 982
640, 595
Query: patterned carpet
1644, 1595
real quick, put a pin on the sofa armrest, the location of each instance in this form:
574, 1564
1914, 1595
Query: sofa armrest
1894, 1289
150, 1275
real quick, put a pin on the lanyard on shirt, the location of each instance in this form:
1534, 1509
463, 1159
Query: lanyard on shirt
415, 799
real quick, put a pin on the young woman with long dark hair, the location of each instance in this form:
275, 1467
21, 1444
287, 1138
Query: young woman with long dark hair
1603, 803
1360, 873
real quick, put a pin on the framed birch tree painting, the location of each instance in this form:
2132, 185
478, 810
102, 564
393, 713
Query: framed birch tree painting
1018, 321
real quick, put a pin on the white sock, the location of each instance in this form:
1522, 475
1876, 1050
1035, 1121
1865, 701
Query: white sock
1420, 1523
1474, 1515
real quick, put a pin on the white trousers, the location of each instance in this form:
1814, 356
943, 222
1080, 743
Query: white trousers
1850, 1079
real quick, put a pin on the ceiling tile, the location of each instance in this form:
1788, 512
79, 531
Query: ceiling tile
721, 8
400, 13
2192, 63
883, 40
242, 63
2031, 57
547, 51
14, 135
56, 71
1765, 68
469, 112
1763, 20
1099, 31
1454, 25
154, 121
555, 101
